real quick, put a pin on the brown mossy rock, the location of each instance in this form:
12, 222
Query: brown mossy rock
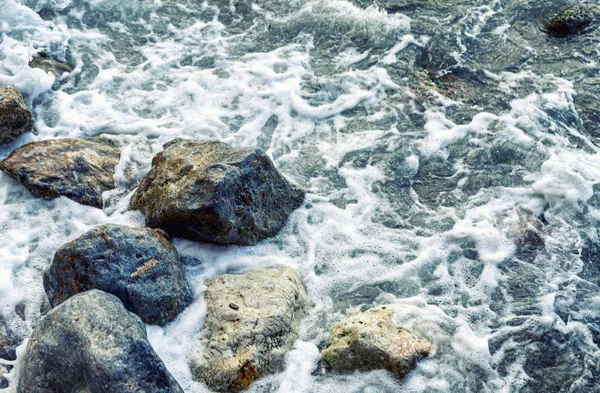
138, 265
79, 169
15, 117
92, 344
577, 18
370, 340
212, 192
252, 322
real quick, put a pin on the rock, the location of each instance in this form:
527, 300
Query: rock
15, 117
574, 19
210, 191
55, 67
137, 265
78, 169
252, 321
370, 340
92, 344
8, 344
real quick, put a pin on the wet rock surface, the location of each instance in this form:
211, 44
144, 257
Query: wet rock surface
574, 19
15, 117
370, 340
78, 169
210, 191
252, 322
138, 265
8, 344
91, 343
55, 67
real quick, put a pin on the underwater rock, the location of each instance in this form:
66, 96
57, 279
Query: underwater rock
210, 191
55, 67
370, 340
252, 321
573, 19
137, 265
91, 343
15, 117
78, 169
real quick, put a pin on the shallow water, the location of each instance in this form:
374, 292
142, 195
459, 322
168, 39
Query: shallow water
449, 150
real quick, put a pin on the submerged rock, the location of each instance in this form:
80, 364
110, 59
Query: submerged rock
138, 265
55, 67
8, 344
252, 321
370, 340
573, 19
78, 169
92, 344
15, 117
210, 191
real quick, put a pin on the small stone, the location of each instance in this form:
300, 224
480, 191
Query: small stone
248, 342
79, 169
55, 67
15, 117
138, 265
370, 340
91, 343
210, 191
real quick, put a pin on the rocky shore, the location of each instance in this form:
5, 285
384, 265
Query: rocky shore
104, 285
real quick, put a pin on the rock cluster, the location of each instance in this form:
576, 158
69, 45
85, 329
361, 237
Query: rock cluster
15, 117
105, 284
91, 343
212, 192
370, 340
138, 265
252, 322
79, 169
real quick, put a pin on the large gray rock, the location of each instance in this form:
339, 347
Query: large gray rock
252, 321
15, 117
210, 191
138, 265
78, 169
370, 340
92, 344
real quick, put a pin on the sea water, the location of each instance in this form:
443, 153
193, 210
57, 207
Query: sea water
449, 150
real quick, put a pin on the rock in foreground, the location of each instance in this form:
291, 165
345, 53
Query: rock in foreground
370, 340
252, 321
574, 19
92, 344
210, 191
78, 169
15, 117
138, 265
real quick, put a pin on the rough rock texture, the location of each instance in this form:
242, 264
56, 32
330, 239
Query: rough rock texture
252, 322
15, 117
370, 340
57, 68
92, 344
78, 169
210, 191
138, 265
8, 343
574, 19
